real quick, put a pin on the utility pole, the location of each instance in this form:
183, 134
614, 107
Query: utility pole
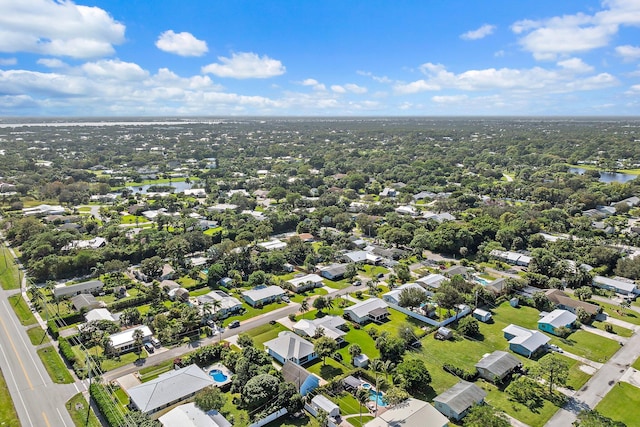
89, 405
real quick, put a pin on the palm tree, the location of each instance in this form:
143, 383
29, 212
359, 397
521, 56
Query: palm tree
373, 287
362, 396
138, 336
207, 309
304, 306
216, 305
387, 367
354, 351
377, 365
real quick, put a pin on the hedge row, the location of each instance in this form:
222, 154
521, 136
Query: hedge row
459, 372
126, 303
106, 405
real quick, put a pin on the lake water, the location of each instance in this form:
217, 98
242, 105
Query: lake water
179, 187
608, 176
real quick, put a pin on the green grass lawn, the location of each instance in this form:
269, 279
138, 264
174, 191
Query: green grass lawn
8, 415
214, 230
371, 271
78, 408
22, 310
9, 275
253, 312
338, 284
37, 335
152, 372
54, 365
621, 404
619, 313
264, 333
286, 421
330, 369
585, 344
500, 400
132, 219
636, 364
618, 330
348, 404
577, 378
308, 294
107, 364
355, 421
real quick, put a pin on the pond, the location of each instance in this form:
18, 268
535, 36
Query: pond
608, 177
178, 186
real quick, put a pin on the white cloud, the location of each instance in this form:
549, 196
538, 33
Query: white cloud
569, 34
245, 65
115, 69
449, 99
57, 28
525, 80
633, 90
349, 87
628, 52
313, 83
480, 33
183, 44
575, 64
8, 61
379, 79
51, 62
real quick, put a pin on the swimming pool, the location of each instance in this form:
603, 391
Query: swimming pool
218, 375
483, 282
377, 396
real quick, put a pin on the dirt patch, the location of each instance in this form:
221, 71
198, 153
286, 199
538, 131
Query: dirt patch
588, 369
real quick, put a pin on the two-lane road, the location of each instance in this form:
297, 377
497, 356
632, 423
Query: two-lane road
38, 401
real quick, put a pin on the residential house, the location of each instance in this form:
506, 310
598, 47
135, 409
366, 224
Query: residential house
95, 243
123, 341
90, 287
168, 273
619, 286
526, 342
188, 415
273, 245
431, 282
482, 315
496, 366
565, 302
305, 282
289, 346
99, 314
372, 309
362, 257
228, 304
85, 301
43, 210
332, 327
168, 389
497, 286
262, 296
320, 402
513, 258
557, 319
457, 270
361, 361
456, 401
393, 296
410, 413
303, 380
179, 294
333, 271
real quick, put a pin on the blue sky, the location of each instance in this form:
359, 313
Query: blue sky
319, 58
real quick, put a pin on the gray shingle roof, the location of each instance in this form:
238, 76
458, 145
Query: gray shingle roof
499, 363
461, 396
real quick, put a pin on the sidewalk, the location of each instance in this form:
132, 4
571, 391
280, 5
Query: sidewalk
596, 331
584, 360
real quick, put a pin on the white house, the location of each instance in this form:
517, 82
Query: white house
262, 296
90, 287
289, 346
372, 309
188, 415
273, 245
123, 341
306, 282
169, 389
617, 285
330, 325
432, 281
525, 341
456, 401
555, 320
321, 402
393, 296
228, 304
410, 413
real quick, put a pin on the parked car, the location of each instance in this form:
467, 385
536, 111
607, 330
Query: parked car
155, 342
357, 283
285, 298
272, 322
380, 275
555, 348
234, 324
149, 347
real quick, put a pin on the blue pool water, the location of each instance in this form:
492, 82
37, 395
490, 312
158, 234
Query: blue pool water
377, 396
218, 375
480, 280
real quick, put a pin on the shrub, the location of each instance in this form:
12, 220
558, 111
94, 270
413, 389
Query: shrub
608, 327
359, 294
106, 405
459, 372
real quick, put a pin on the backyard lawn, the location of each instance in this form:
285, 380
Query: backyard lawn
330, 369
621, 404
253, 312
54, 365
619, 313
8, 415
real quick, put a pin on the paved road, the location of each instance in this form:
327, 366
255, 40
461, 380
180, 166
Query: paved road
38, 401
599, 385
245, 325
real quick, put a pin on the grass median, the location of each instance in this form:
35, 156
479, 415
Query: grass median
78, 408
22, 310
8, 415
54, 365
9, 277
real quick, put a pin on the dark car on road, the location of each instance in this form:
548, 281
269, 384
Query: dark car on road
234, 324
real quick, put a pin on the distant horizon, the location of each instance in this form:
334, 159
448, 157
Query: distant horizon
287, 58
